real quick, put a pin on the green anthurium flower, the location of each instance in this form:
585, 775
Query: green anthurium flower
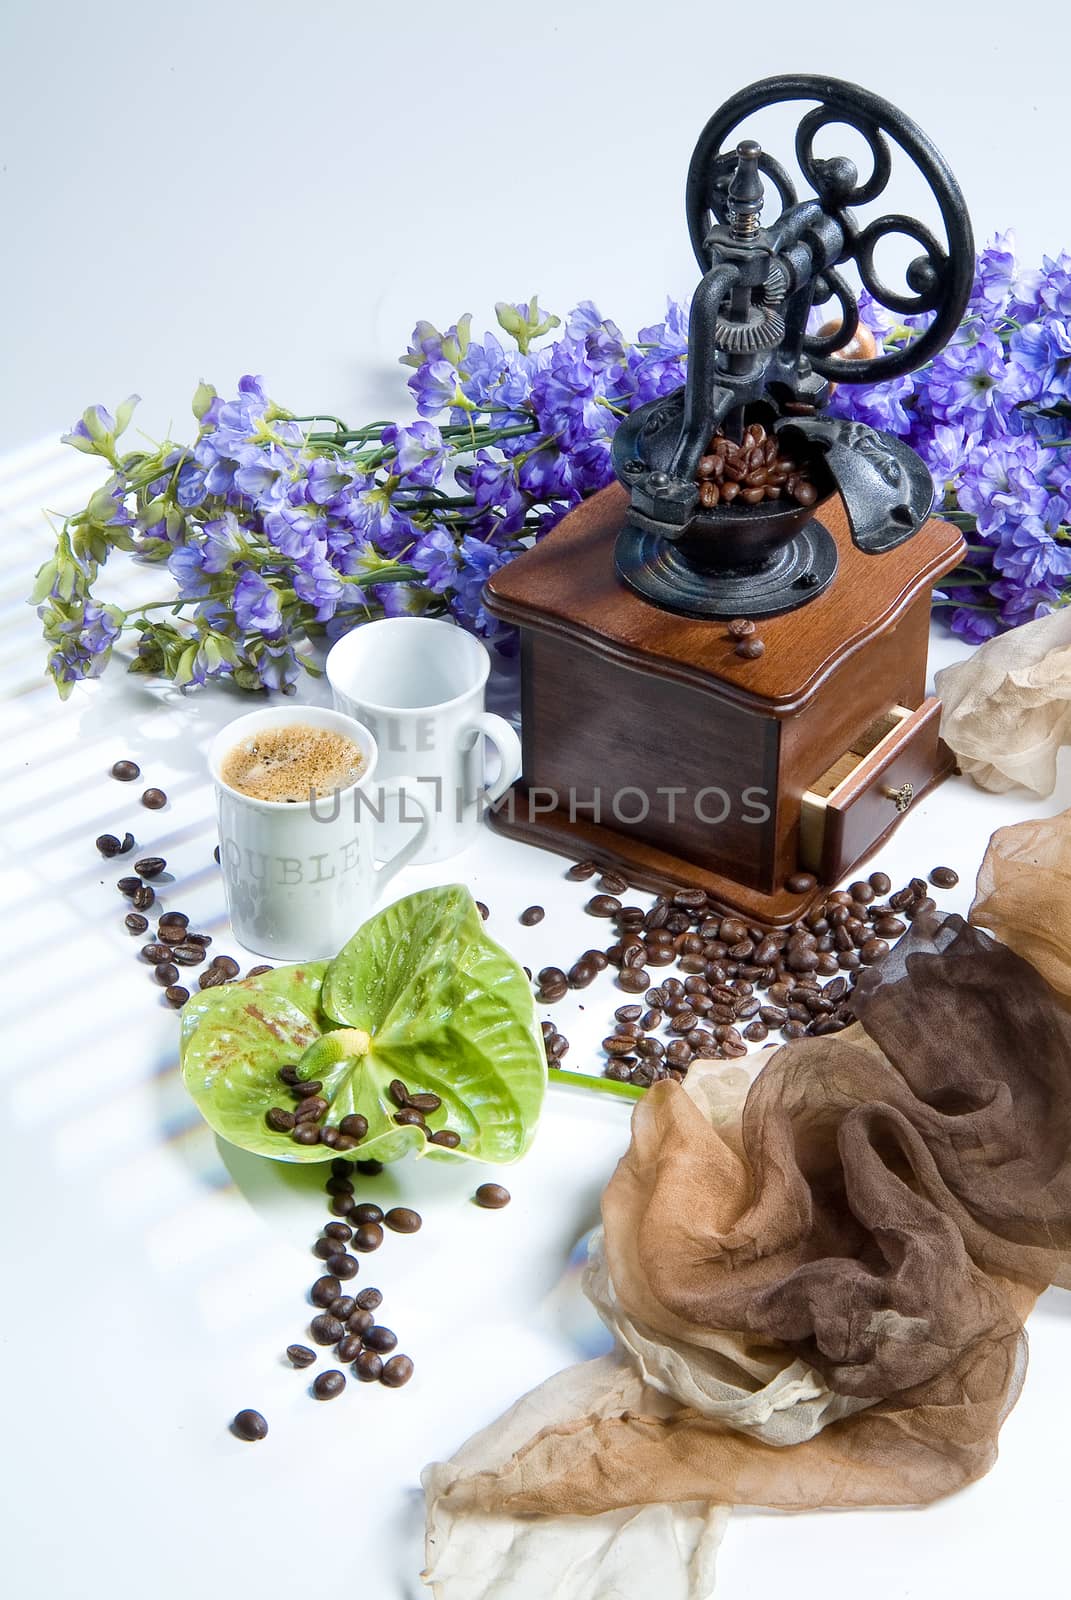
420, 994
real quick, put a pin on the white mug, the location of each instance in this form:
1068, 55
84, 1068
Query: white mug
418, 683
301, 876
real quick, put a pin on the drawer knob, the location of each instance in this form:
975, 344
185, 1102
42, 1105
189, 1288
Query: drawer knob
902, 797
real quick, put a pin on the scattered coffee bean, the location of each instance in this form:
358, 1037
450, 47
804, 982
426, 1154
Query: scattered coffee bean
305, 1132
329, 1245
174, 919
750, 649
343, 1307
367, 1211
603, 905
108, 845
613, 883
279, 1120
944, 877
135, 922
227, 965
338, 1230
446, 1137
741, 628
360, 1320
801, 883
326, 1329
343, 1265
425, 1103
154, 799
126, 771
166, 973
396, 1372
368, 1367
300, 1355
380, 1339
581, 870
143, 897
369, 1299
492, 1196
304, 1088
324, 1290
354, 1126
409, 1118
483, 910
187, 955
368, 1237
532, 915
176, 995
128, 886
328, 1384
370, 1168
211, 978
250, 1425
401, 1219
150, 866
254, 972
348, 1346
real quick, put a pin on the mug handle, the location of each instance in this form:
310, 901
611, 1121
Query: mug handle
506, 742
385, 871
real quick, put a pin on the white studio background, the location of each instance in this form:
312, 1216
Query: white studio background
204, 189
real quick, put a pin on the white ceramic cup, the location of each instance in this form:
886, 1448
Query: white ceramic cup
301, 876
418, 683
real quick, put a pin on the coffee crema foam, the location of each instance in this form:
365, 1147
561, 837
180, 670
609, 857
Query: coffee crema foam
286, 764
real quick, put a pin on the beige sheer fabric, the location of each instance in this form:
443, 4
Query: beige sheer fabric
1024, 895
873, 1229
1007, 707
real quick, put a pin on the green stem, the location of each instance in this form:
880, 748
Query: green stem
583, 1080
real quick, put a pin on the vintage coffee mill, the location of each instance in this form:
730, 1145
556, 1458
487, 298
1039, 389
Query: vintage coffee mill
724, 654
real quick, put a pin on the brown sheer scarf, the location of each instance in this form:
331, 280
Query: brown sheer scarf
888, 1207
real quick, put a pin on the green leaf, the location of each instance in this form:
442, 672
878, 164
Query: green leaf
420, 993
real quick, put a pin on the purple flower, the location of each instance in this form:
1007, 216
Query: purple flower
1039, 362
256, 605
879, 405
945, 450
419, 453
965, 382
994, 279
435, 387
436, 557
1004, 478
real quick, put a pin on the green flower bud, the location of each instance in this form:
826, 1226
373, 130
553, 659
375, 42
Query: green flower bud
203, 396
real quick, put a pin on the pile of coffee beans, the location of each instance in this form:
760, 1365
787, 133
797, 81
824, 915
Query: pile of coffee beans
306, 1120
750, 472
738, 984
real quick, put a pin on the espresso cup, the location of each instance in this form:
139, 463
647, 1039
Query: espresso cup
418, 683
301, 876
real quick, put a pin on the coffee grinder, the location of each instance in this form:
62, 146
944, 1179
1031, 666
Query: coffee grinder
724, 652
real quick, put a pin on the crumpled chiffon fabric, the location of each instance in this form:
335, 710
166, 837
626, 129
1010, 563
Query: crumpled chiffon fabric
820, 1298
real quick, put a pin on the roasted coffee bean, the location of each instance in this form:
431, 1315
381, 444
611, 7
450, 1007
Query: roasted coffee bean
370, 1168
187, 955
343, 1306
143, 897
305, 1088
409, 1118
325, 1290
425, 1102
368, 1367
227, 965
368, 1237
880, 882
919, 907
211, 978
613, 883
581, 870
629, 1013
483, 910
306, 1133
369, 1299
173, 919
793, 1029
344, 1266
313, 1107
603, 905
166, 973
126, 771
889, 927
108, 844
741, 628
380, 1339
171, 936
348, 1346
596, 958
756, 1031
329, 1245
360, 1320
367, 1211
329, 1136
134, 922
531, 915
328, 1384
398, 1092
326, 1329
150, 866
354, 1126
492, 1196
339, 1183
250, 1425
581, 973
944, 877
338, 1230
446, 1137
800, 883
402, 1219
280, 1120
550, 977
342, 1204
617, 1070
634, 980
176, 995
300, 1355
128, 886
750, 649
872, 950
396, 1372
154, 799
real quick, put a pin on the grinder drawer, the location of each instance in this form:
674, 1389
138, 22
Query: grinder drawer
867, 789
